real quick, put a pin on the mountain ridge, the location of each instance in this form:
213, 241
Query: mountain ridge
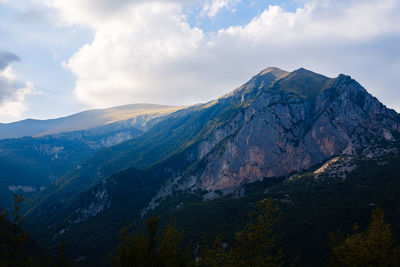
82, 120
271, 126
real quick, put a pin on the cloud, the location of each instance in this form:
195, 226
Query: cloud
13, 93
146, 51
357, 21
132, 53
94, 12
6, 58
212, 7
90, 12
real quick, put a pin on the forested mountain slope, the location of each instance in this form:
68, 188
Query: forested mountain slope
276, 125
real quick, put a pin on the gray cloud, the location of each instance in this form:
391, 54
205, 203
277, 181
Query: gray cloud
13, 92
7, 88
6, 58
8, 85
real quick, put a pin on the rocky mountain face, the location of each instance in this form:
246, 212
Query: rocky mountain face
276, 125
300, 121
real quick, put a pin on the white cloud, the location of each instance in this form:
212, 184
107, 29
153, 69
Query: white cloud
356, 21
146, 51
91, 12
97, 12
132, 54
13, 95
212, 7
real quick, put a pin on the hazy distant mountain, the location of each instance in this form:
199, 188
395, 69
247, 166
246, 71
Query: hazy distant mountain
276, 125
83, 121
30, 164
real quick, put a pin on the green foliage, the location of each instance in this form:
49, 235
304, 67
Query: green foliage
216, 256
374, 247
13, 241
170, 251
16, 246
143, 250
253, 246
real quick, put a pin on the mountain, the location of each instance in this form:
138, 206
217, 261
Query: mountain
84, 120
278, 124
301, 121
30, 164
174, 137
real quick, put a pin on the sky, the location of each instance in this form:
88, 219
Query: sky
59, 57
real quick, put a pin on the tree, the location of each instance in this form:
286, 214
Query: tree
61, 260
171, 254
149, 250
151, 253
132, 249
373, 247
16, 245
216, 256
253, 246
13, 239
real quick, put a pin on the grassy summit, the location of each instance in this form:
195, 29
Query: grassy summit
304, 83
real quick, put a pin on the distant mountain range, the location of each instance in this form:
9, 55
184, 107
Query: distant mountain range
34, 153
132, 161
84, 120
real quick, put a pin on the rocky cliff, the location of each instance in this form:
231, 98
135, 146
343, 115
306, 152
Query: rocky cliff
301, 120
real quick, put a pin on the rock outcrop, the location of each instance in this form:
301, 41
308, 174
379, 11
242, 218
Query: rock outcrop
292, 124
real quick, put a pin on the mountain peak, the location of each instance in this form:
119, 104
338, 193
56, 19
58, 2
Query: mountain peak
305, 83
303, 71
264, 79
278, 73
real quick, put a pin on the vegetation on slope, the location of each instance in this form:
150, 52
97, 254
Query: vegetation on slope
254, 245
311, 208
17, 248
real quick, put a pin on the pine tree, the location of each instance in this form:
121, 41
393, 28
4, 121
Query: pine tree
132, 249
253, 245
149, 250
61, 260
373, 247
216, 256
138, 249
171, 254
152, 258
13, 240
